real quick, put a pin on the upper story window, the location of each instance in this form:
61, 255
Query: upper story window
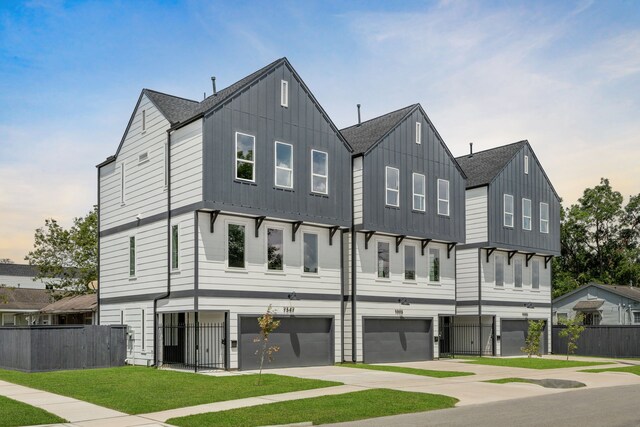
392, 178
175, 247
235, 246
383, 260
132, 256
499, 270
636, 317
526, 214
544, 217
284, 93
517, 272
275, 249
123, 183
418, 133
310, 253
443, 197
245, 157
319, 172
410, 262
535, 274
526, 165
434, 265
144, 120
508, 210
284, 165
419, 185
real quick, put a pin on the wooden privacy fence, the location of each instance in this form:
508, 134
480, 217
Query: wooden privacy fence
603, 340
52, 348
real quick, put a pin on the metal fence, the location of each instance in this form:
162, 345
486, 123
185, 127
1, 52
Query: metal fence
197, 346
52, 348
602, 340
466, 340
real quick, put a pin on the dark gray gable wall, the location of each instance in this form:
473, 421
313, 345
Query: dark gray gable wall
257, 111
431, 158
534, 186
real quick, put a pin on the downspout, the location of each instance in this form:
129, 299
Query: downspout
353, 269
342, 295
98, 263
480, 297
168, 292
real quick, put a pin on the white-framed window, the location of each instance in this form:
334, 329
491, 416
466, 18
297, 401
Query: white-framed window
123, 183
508, 210
132, 256
434, 265
235, 245
526, 165
319, 172
175, 247
517, 273
535, 274
275, 249
636, 317
419, 190
561, 316
418, 133
409, 262
499, 270
144, 121
284, 165
544, 217
392, 180
245, 157
443, 197
383, 260
284, 93
526, 214
310, 253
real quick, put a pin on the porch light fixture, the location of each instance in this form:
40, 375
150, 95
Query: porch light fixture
403, 301
293, 297
529, 305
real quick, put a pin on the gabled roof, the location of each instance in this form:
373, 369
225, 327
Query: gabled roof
74, 304
624, 291
23, 299
174, 108
22, 270
482, 167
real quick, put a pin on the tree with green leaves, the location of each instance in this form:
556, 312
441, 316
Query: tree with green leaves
573, 328
267, 324
67, 259
534, 335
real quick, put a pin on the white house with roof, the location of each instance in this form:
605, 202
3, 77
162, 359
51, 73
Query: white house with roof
600, 304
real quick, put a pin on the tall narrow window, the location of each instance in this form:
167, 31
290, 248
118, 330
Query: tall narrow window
175, 247
319, 172
544, 217
123, 183
132, 256
434, 265
410, 262
392, 177
418, 192
284, 165
245, 157
443, 197
383, 259
235, 246
144, 120
526, 165
517, 272
284, 93
310, 253
526, 214
535, 274
418, 133
275, 249
508, 210
499, 273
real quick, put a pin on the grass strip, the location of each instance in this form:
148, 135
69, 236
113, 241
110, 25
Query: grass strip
14, 413
323, 410
531, 363
138, 390
631, 369
405, 370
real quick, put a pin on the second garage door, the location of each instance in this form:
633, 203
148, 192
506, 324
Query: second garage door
397, 340
513, 335
303, 341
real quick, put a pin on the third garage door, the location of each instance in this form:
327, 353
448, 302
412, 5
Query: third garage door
397, 340
513, 335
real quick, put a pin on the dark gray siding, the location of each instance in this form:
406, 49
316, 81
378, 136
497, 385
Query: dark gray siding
535, 186
257, 111
399, 150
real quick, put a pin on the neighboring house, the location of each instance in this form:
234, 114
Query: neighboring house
211, 211
600, 305
512, 232
408, 207
74, 310
20, 276
20, 306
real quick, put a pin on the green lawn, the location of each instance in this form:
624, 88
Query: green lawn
531, 363
511, 380
322, 410
404, 370
137, 390
631, 369
14, 413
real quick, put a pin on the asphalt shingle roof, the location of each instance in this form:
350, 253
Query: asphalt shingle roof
23, 270
74, 304
23, 299
482, 167
367, 134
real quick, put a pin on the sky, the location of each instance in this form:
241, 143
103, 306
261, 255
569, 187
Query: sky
563, 75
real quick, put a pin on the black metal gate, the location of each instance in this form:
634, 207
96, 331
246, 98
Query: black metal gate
465, 339
197, 346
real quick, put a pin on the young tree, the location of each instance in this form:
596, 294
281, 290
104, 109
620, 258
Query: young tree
573, 328
267, 324
67, 259
534, 334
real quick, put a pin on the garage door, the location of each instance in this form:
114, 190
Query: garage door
397, 340
303, 341
513, 335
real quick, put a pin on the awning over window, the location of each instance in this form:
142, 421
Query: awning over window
592, 305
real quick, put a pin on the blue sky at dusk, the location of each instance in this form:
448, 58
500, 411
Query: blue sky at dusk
564, 75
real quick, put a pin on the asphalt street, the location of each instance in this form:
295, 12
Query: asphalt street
610, 407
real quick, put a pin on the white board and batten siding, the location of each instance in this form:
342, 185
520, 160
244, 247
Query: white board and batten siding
358, 196
467, 279
138, 317
186, 165
476, 218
